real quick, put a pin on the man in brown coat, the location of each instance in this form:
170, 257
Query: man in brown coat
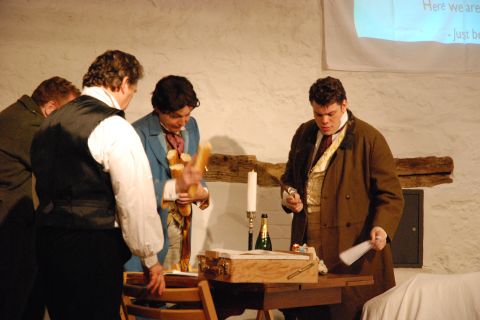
341, 185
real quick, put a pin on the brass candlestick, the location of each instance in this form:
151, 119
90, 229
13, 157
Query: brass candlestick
250, 216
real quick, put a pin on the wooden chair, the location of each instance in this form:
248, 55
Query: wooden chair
193, 303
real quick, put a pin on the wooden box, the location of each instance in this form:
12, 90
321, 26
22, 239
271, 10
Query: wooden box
258, 266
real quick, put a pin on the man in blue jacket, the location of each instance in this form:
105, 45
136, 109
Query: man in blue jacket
168, 127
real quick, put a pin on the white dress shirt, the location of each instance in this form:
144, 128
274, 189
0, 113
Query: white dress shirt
115, 145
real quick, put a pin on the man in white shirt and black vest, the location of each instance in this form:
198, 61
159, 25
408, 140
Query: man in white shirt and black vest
97, 203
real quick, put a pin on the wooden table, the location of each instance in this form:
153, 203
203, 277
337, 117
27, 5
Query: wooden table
233, 298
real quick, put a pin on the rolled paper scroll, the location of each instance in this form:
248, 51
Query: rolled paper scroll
351, 255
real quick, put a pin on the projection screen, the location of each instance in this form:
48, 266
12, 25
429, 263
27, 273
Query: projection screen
402, 35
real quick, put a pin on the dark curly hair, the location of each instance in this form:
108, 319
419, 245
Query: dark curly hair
172, 93
109, 69
56, 89
327, 91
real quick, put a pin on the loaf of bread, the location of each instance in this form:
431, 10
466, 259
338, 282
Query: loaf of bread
203, 155
185, 158
172, 157
177, 164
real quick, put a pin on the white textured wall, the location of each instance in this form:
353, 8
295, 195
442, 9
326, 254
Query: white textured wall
252, 63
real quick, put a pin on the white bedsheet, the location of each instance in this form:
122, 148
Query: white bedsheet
427, 297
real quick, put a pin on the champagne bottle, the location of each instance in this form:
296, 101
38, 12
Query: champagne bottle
263, 239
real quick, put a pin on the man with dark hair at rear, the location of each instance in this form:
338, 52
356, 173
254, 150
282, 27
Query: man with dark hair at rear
341, 184
18, 268
97, 202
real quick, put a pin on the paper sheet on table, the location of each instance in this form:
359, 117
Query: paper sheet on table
181, 273
259, 255
351, 255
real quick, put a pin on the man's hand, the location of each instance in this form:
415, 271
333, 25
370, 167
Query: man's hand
201, 195
190, 176
378, 238
294, 203
155, 279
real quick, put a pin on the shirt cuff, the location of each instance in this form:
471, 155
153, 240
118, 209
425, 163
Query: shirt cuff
169, 190
149, 261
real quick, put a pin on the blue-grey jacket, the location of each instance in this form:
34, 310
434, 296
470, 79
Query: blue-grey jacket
155, 145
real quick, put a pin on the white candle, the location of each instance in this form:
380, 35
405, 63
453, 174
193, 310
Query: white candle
252, 192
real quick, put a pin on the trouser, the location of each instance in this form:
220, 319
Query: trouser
18, 270
313, 239
81, 272
350, 308
175, 246
307, 313
35, 309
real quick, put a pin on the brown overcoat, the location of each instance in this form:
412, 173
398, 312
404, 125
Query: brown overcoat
361, 190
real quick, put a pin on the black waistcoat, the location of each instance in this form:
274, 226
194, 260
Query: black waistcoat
73, 189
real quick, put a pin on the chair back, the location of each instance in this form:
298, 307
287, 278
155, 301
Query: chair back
193, 303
